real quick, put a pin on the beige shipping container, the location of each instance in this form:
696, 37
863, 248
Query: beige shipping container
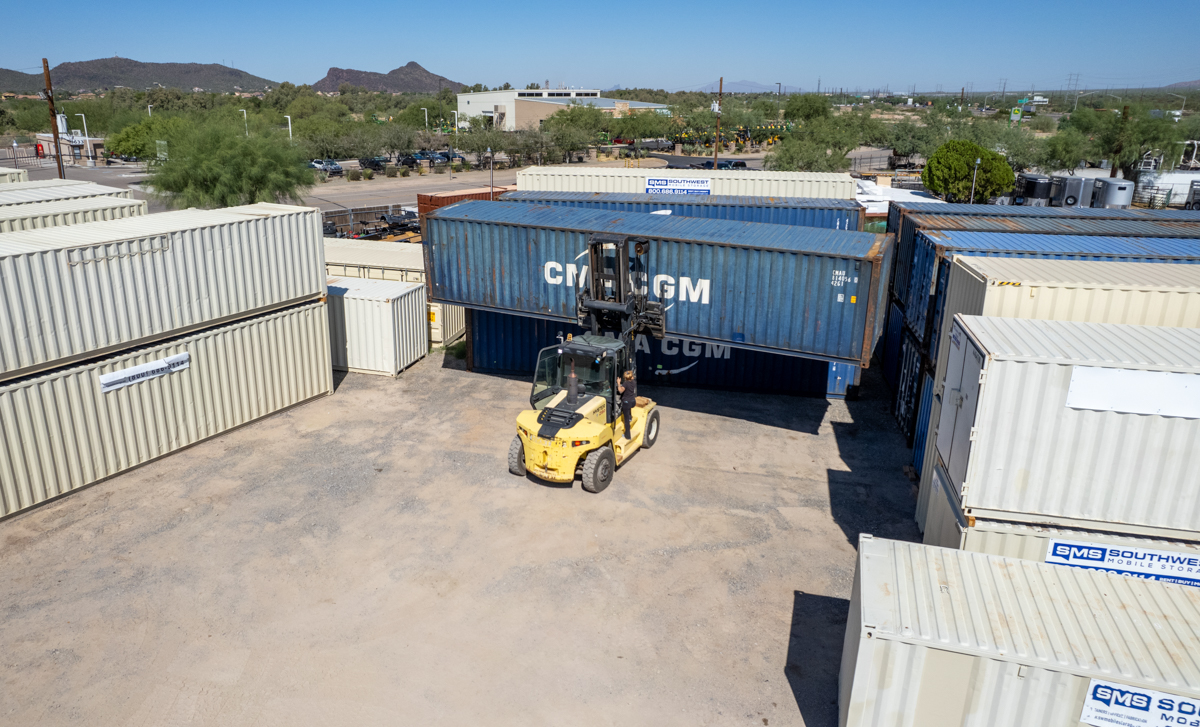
1172, 561
88, 290
9, 176
948, 638
376, 326
403, 261
16, 218
73, 427
745, 183
1147, 294
52, 189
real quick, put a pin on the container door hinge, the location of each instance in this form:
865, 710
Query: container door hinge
974, 433
983, 376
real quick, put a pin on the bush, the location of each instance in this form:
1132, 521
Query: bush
439, 169
1042, 123
368, 174
404, 171
949, 172
353, 175
458, 167
322, 177
391, 170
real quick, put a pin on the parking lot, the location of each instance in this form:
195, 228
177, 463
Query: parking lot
366, 559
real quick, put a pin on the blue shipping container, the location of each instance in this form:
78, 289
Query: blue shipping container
833, 214
996, 210
921, 426
934, 251
891, 346
502, 343
1064, 221
909, 388
774, 288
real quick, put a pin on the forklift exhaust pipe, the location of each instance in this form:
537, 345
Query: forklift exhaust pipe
572, 387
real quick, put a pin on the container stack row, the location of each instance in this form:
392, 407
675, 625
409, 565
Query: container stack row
125, 337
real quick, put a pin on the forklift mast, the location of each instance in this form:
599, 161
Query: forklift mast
614, 296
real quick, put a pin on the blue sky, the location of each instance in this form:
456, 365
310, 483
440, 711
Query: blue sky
676, 46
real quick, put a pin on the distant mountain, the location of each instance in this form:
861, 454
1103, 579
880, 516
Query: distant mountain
111, 72
409, 78
1186, 84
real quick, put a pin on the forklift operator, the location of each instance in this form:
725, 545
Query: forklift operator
628, 389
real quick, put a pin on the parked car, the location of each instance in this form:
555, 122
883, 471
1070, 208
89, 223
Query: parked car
653, 145
318, 164
454, 156
430, 156
408, 160
721, 164
375, 164
332, 168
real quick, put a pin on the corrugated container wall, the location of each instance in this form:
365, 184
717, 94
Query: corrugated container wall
832, 214
59, 431
20, 217
10, 176
946, 638
500, 343
1170, 561
1066, 423
379, 260
934, 252
1083, 224
1066, 290
18, 193
376, 326
97, 288
776, 288
743, 183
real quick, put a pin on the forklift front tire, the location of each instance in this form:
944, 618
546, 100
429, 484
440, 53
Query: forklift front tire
516, 457
598, 469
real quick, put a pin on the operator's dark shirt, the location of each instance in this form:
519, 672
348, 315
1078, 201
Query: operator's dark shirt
629, 396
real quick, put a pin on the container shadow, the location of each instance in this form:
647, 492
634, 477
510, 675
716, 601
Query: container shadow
338, 378
814, 656
795, 413
874, 496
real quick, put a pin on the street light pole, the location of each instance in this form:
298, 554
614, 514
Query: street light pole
491, 174
1089, 93
1184, 104
426, 117
246, 121
148, 111
973, 176
87, 139
289, 118
455, 126
1115, 96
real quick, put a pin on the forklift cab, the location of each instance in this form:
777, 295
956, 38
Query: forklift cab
598, 362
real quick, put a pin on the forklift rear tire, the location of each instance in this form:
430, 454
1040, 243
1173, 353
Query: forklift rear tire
650, 433
598, 469
516, 457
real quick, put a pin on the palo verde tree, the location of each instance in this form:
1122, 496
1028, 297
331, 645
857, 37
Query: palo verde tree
949, 171
216, 165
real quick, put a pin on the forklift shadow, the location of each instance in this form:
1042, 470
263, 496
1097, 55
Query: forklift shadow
795, 413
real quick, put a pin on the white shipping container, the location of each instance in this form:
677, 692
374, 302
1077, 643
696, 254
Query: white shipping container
19, 217
52, 189
1085, 425
60, 431
376, 326
86, 290
746, 182
947, 638
405, 261
1148, 294
9, 176
1171, 561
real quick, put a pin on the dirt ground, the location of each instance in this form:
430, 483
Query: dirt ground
366, 559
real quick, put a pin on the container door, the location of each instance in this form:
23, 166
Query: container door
960, 445
950, 392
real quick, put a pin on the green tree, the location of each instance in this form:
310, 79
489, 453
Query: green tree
1065, 150
397, 139
532, 86
950, 169
217, 165
806, 107
141, 139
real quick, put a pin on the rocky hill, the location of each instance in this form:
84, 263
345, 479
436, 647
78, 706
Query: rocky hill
409, 78
111, 72
1186, 84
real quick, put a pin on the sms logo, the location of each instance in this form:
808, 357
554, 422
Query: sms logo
1122, 698
1075, 552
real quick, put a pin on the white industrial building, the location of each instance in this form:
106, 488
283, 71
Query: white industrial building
526, 109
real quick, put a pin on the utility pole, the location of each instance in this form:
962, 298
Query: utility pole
1120, 143
1003, 90
717, 143
818, 85
53, 118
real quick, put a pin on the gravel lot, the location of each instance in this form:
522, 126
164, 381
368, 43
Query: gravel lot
366, 559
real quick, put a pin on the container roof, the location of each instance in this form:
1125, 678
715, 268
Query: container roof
9, 195
1108, 345
375, 253
1165, 247
1084, 622
364, 289
40, 183
1061, 225
132, 228
586, 171
942, 208
841, 243
77, 204
1085, 273
683, 199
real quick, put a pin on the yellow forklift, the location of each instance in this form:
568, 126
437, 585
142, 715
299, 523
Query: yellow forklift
573, 427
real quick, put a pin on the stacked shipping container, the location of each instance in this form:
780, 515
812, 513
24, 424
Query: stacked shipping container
54, 189
36, 215
742, 183
8, 176
376, 326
